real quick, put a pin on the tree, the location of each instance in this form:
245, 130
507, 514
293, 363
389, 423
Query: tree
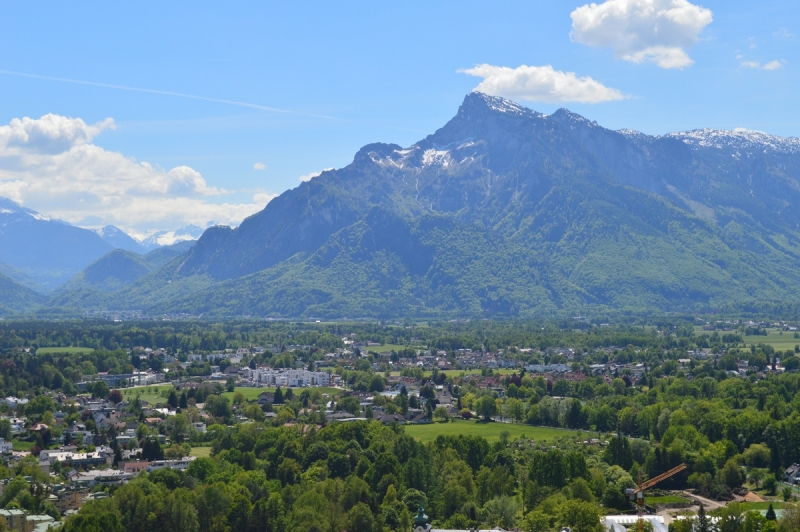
771, 513
502, 512
441, 414
278, 398
96, 516
515, 409
618, 452
5, 429
486, 407
580, 516
172, 399
115, 396
360, 518
703, 523
99, 390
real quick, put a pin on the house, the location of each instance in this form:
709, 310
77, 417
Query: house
134, 467
792, 474
266, 398
391, 418
5, 447
181, 464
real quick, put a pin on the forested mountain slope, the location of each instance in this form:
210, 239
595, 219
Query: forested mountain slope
505, 211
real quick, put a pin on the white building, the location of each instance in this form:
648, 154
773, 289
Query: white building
293, 378
181, 464
5, 447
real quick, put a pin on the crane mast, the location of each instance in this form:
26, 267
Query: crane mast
638, 493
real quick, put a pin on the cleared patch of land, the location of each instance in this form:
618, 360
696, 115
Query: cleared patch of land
490, 431
64, 350
665, 499
201, 452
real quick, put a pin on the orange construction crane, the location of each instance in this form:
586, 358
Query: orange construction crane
638, 493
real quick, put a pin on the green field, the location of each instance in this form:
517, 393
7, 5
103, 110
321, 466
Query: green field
759, 506
201, 452
251, 394
775, 339
151, 394
389, 347
490, 431
22, 445
665, 499
63, 350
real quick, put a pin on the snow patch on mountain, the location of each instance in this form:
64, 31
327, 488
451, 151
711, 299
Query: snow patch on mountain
738, 139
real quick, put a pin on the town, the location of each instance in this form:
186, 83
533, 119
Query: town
168, 415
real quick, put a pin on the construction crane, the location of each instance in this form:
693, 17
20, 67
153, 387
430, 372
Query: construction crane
638, 493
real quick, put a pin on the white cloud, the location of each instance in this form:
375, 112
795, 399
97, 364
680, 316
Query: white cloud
783, 33
50, 165
312, 175
540, 84
772, 65
259, 166
657, 31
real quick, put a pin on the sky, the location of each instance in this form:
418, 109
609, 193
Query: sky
153, 115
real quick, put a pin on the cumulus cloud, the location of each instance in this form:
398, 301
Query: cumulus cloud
773, 65
51, 165
540, 84
312, 175
657, 31
259, 166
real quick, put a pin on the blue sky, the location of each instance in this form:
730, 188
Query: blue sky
342, 75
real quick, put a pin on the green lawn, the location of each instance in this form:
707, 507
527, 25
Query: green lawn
758, 506
252, 394
64, 350
151, 394
775, 339
490, 431
22, 445
665, 499
201, 452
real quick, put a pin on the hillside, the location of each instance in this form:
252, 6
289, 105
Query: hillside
17, 299
41, 251
504, 212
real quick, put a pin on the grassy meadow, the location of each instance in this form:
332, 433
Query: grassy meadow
64, 350
781, 342
490, 431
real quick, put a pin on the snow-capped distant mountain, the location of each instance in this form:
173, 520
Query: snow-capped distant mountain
120, 239
42, 250
166, 238
739, 139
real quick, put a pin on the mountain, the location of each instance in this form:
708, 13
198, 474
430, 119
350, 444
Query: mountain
121, 268
15, 298
120, 239
503, 211
44, 252
166, 238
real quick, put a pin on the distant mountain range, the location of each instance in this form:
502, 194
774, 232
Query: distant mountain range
39, 255
504, 211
